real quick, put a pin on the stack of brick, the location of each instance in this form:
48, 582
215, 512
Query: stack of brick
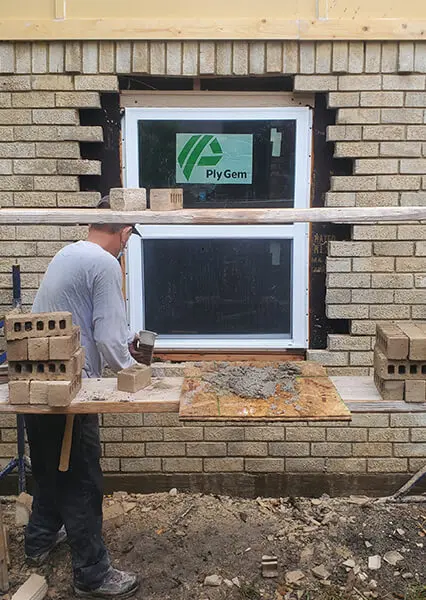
44, 357
400, 361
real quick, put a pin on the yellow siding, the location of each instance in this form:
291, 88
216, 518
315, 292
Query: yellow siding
218, 19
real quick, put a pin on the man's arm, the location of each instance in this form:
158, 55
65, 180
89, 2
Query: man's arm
110, 330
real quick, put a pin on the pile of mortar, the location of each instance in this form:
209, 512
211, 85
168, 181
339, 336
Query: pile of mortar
248, 381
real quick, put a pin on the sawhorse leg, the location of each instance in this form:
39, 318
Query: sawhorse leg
20, 462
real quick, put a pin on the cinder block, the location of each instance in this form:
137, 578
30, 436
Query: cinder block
417, 340
19, 392
38, 392
38, 348
30, 325
390, 390
134, 378
61, 393
63, 347
415, 391
397, 369
392, 341
128, 199
17, 350
167, 199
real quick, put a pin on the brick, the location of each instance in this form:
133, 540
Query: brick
416, 132
56, 57
248, 448
384, 132
369, 420
223, 58
307, 57
323, 57
398, 182
33, 100
328, 359
111, 434
36, 232
410, 297
190, 58
224, 434
78, 199
51, 82
341, 199
305, 434
18, 326
223, 465
393, 248
123, 57
161, 420
331, 449
73, 233
400, 149
17, 150
343, 99
38, 392
15, 83
420, 248
336, 296
347, 465
40, 166
410, 450
19, 392
5, 100
353, 280
73, 57
56, 183
79, 167
38, 349
359, 82
411, 232
415, 391
382, 99
103, 83
403, 82
368, 166
143, 434
315, 83
9, 435
373, 264
16, 182
183, 465
387, 465
419, 57
413, 165
305, 465
134, 378
413, 264
387, 311
346, 434
353, 183
394, 280
356, 149
61, 393
349, 249
206, 449
264, 465
7, 450
183, 434
110, 465
356, 57
340, 62
255, 433
56, 116
125, 450
338, 265
373, 55
166, 199
165, 449
372, 449
39, 57
126, 420
358, 116
405, 57
408, 419
392, 341
63, 347
388, 435
57, 150
289, 448
77, 100
389, 390
128, 199
372, 296
415, 99
349, 133
417, 435
107, 56
374, 232
17, 350
17, 249
141, 465
23, 57
274, 57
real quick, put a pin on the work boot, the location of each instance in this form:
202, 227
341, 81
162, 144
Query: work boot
117, 584
40, 559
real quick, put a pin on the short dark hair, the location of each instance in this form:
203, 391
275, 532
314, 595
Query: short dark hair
108, 227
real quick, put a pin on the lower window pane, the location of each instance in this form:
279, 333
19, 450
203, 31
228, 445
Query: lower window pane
218, 286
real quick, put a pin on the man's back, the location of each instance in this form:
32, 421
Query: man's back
85, 280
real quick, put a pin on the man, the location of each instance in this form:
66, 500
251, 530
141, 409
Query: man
85, 279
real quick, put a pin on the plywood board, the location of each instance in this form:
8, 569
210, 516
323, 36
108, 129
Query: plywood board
102, 396
314, 398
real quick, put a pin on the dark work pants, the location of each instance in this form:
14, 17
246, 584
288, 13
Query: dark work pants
73, 498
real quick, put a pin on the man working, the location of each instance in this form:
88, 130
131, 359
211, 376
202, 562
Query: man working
85, 279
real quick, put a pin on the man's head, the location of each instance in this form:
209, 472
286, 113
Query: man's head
112, 238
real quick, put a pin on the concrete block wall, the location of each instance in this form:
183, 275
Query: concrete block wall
379, 93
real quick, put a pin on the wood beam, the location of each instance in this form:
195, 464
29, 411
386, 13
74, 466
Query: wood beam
237, 216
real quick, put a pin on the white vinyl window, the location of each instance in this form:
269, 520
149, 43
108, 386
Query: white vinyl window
213, 286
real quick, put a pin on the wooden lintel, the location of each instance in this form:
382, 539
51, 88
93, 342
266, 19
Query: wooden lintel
228, 216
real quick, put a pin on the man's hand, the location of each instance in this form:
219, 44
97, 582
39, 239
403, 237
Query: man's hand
141, 355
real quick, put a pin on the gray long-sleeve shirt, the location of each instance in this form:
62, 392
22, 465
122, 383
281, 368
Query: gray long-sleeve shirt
86, 280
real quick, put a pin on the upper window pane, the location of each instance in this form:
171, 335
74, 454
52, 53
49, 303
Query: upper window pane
219, 163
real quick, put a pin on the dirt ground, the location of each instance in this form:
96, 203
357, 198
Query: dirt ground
174, 541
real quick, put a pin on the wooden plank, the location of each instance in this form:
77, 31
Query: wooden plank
235, 216
228, 356
242, 28
4, 576
60, 9
35, 588
102, 396
202, 99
